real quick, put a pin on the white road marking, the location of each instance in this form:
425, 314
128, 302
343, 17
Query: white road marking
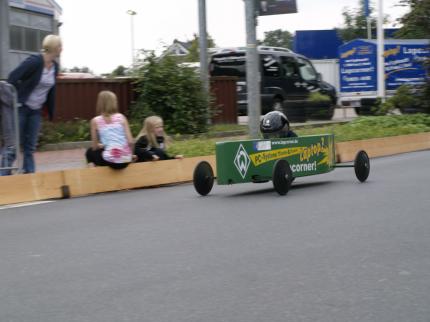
25, 204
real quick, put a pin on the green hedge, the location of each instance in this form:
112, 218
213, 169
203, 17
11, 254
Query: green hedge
173, 92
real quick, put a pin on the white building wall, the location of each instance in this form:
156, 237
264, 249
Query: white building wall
40, 17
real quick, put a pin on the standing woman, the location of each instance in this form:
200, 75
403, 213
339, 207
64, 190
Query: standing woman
34, 80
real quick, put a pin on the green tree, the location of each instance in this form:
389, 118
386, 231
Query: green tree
277, 38
355, 23
119, 71
80, 70
172, 91
416, 23
194, 50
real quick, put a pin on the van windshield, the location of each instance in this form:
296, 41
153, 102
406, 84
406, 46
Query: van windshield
228, 65
307, 70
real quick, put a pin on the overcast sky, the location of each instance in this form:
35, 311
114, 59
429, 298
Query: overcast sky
97, 33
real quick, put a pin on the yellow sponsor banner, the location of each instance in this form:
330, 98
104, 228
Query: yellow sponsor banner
305, 153
314, 150
267, 156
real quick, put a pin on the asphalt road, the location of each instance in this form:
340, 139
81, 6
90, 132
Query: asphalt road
332, 250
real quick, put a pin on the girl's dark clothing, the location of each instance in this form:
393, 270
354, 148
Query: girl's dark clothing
96, 157
144, 151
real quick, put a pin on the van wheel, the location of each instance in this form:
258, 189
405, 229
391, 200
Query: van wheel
277, 104
330, 112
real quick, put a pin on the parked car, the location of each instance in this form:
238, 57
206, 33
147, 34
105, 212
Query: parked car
287, 80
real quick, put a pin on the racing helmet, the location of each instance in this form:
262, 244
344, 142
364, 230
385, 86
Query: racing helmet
274, 124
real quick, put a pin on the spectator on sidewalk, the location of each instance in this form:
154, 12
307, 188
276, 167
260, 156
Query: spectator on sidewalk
152, 141
34, 80
110, 135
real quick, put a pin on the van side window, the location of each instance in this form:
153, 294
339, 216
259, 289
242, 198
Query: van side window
288, 66
270, 66
306, 69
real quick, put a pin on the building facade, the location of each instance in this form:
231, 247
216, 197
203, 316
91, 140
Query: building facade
23, 25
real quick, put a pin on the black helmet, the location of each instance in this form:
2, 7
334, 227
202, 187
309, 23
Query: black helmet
274, 124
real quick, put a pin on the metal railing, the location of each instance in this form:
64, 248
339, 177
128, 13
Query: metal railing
10, 137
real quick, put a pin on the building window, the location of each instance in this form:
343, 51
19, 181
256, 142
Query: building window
26, 39
16, 39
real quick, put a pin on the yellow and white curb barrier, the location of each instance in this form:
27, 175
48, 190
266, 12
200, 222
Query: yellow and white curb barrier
86, 181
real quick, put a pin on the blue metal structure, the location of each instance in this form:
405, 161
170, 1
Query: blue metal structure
317, 44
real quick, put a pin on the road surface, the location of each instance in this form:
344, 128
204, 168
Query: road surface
332, 250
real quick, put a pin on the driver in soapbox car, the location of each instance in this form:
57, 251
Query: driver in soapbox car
274, 125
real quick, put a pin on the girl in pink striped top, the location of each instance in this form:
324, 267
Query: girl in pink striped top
112, 142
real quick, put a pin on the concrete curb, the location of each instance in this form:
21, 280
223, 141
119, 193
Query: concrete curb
79, 182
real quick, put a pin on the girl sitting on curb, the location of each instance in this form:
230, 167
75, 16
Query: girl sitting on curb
151, 142
110, 135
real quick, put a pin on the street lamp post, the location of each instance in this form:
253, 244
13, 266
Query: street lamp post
132, 13
380, 51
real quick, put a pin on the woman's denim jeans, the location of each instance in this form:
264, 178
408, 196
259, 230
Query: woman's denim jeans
29, 127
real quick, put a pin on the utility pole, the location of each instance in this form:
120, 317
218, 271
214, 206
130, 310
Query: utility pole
203, 44
380, 50
4, 39
252, 70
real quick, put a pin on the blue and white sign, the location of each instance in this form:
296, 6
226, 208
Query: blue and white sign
357, 65
403, 64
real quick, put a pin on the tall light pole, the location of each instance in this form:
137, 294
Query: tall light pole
380, 51
132, 13
203, 45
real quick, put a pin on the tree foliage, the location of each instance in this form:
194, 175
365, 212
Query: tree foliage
277, 38
172, 91
119, 71
77, 69
355, 23
194, 50
416, 23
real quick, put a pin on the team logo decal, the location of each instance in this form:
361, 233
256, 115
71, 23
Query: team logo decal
242, 161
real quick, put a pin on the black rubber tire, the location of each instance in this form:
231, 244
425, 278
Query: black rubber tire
362, 166
282, 176
330, 112
203, 178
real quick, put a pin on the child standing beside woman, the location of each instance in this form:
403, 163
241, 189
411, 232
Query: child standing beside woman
152, 141
111, 138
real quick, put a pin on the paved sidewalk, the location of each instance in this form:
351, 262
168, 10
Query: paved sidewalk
60, 160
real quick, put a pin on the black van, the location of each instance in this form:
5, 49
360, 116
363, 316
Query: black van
287, 80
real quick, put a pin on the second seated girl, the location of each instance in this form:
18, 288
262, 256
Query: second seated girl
151, 142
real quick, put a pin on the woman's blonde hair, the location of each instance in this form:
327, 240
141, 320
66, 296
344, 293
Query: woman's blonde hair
51, 43
107, 103
149, 124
